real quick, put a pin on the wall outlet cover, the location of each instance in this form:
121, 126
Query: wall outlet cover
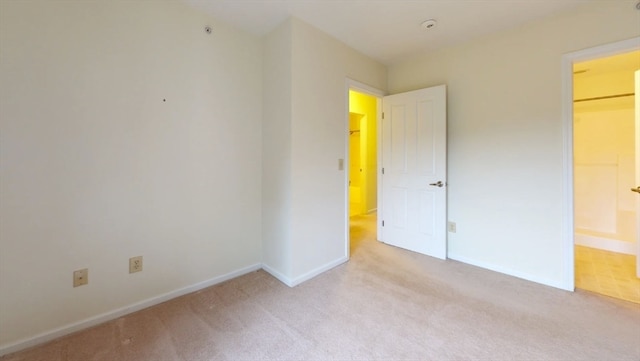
135, 264
81, 277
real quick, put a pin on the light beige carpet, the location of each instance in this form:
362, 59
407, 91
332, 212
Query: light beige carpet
385, 304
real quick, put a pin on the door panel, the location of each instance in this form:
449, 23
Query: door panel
399, 207
425, 155
414, 160
398, 149
427, 213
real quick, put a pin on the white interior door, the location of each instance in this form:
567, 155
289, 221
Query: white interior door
414, 170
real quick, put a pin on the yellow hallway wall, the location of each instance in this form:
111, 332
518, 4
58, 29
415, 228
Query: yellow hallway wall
367, 105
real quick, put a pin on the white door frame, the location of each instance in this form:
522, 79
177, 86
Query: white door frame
378, 94
567, 124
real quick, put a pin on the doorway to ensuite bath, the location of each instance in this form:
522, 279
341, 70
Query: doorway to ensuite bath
605, 173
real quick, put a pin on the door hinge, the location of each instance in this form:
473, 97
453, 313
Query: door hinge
382, 170
382, 115
382, 223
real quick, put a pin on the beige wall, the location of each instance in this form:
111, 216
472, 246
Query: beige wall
321, 65
276, 151
313, 233
97, 168
505, 135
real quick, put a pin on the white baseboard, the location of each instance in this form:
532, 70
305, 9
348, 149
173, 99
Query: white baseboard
525, 276
278, 275
305, 277
315, 272
607, 244
111, 315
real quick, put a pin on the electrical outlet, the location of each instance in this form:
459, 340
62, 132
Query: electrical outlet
451, 226
135, 264
80, 277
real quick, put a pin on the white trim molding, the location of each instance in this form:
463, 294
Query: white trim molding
278, 275
363, 88
315, 272
506, 271
292, 282
112, 315
607, 244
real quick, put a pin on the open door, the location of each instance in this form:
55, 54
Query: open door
414, 171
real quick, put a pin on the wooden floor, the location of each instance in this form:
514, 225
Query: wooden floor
608, 273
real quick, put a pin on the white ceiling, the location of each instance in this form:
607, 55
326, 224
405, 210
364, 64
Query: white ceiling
387, 30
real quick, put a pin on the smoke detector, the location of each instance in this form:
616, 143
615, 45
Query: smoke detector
429, 24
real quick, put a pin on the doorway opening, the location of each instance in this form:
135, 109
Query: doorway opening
412, 143
364, 109
605, 164
362, 177
363, 154
604, 173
